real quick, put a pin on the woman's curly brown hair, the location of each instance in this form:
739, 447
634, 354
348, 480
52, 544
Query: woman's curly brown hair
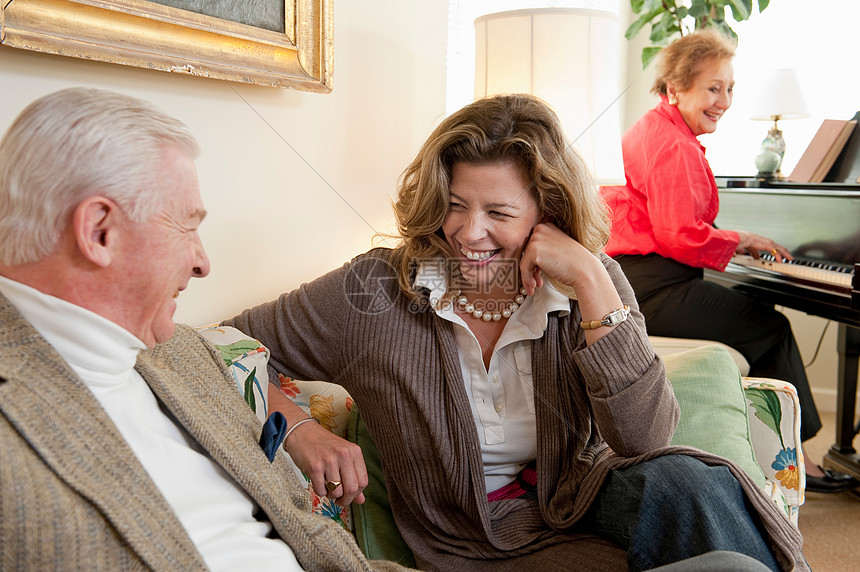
520, 128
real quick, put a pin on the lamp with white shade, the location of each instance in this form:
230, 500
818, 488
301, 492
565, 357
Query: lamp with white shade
569, 58
779, 97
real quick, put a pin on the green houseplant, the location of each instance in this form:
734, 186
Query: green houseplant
669, 18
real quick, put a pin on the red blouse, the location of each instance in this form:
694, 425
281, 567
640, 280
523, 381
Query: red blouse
670, 201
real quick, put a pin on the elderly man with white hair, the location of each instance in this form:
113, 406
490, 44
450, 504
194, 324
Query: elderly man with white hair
124, 444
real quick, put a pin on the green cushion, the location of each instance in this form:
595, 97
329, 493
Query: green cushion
707, 385
375, 531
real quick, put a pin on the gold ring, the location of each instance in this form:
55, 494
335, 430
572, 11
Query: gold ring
331, 485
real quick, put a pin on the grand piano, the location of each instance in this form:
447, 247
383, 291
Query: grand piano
820, 224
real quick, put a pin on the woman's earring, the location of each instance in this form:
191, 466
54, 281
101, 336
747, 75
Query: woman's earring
673, 100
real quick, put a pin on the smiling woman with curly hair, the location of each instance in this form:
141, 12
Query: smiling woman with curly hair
503, 369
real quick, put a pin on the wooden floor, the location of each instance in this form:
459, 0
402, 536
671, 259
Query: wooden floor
830, 523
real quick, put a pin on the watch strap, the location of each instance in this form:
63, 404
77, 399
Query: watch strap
613, 318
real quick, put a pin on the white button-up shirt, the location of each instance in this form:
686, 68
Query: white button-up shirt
501, 397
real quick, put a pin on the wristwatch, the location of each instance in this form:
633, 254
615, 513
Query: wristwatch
611, 319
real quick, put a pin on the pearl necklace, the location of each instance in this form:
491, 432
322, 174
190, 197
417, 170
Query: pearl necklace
487, 316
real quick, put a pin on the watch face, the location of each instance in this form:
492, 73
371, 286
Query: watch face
616, 317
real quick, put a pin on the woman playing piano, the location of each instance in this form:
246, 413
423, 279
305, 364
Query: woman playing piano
663, 232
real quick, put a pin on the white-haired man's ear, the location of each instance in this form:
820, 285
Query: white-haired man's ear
95, 224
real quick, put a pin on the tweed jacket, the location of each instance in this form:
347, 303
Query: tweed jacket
73, 495
597, 407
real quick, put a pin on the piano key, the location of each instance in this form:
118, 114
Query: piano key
837, 277
811, 262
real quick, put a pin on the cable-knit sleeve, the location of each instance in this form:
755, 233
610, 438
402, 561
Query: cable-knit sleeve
302, 329
633, 403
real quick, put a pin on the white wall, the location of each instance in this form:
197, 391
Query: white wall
820, 42
300, 188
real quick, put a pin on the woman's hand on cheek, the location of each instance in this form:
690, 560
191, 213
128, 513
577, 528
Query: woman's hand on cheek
575, 272
552, 253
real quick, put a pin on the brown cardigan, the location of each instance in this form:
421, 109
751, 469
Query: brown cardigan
399, 361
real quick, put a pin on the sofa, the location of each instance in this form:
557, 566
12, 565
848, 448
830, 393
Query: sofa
753, 421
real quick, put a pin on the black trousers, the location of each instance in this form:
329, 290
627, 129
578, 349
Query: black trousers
678, 303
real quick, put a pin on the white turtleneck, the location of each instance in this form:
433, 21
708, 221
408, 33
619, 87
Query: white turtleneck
216, 513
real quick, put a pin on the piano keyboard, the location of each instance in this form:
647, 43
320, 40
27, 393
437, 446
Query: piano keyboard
839, 276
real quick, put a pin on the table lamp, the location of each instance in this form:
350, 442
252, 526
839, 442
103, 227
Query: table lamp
569, 58
779, 97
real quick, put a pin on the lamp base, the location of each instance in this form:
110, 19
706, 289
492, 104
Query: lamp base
767, 162
772, 151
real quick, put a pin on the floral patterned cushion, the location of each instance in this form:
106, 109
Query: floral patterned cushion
775, 431
247, 359
330, 404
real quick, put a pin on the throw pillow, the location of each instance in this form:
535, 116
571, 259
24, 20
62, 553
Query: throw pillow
707, 385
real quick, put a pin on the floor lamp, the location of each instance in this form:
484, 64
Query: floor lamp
570, 59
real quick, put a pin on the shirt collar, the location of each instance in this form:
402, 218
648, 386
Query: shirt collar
432, 275
673, 114
83, 338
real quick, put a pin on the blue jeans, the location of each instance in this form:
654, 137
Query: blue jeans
676, 507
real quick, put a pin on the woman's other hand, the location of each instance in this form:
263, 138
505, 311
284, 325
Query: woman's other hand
320, 454
752, 244
325, 457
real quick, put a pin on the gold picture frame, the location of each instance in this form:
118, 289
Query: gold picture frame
154, 36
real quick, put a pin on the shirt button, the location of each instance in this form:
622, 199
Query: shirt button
495, 379
498, 408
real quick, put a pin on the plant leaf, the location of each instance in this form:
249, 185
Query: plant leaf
699, 9
672, 14
767, 409
741, 9
230, 352
724, 27
648, 54
638, 24
249, 390
664, 28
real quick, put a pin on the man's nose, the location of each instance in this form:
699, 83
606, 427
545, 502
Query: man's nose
201, 268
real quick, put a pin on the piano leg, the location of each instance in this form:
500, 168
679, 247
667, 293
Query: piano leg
842, 455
